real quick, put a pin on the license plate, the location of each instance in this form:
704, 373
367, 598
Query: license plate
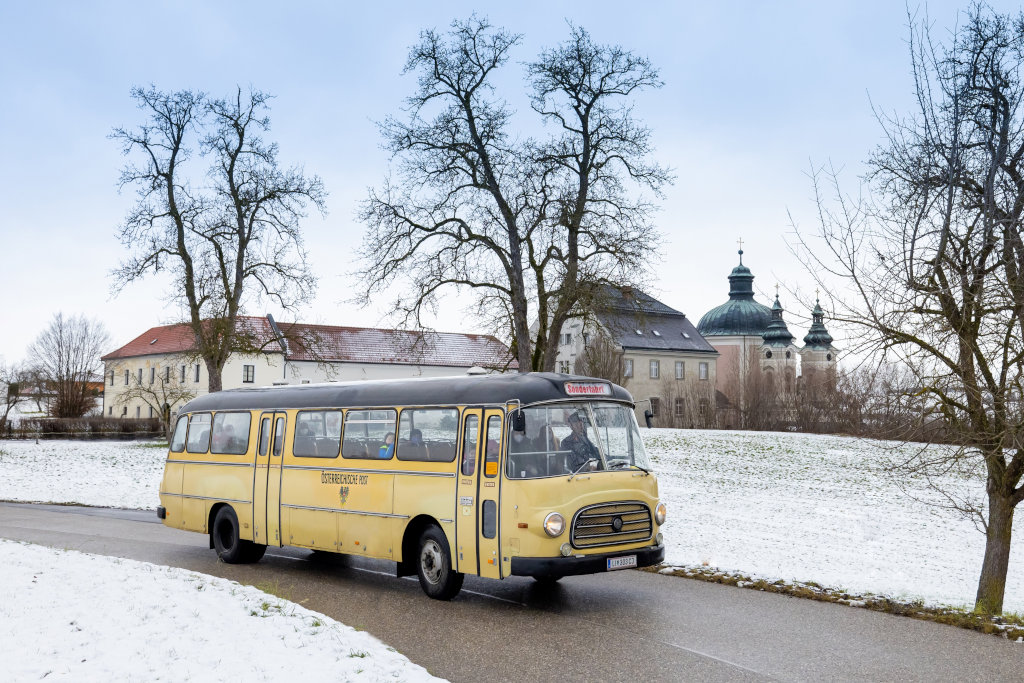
621, 562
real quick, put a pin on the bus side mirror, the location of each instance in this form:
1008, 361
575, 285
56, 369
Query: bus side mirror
519, 421
648, 417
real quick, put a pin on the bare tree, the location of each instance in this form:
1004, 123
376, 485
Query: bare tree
601, 357
934, 260
687, 404
163, 393
228, 233
513, 220
13, 390
67, 353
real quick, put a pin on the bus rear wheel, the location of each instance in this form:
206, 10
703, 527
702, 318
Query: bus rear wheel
229, 545
434, 566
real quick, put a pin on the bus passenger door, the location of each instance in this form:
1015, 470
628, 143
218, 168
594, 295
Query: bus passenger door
489, 478
465, 552
266, 494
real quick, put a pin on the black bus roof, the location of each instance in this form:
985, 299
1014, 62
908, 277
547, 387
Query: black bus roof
495, 389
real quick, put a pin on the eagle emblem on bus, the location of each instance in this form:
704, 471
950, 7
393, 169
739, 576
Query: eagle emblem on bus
343, 494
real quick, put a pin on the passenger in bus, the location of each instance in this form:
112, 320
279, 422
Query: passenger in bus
519, 443
304, 444
224, 438
414, 448
545, 441
526, 464
580, 447
388, 449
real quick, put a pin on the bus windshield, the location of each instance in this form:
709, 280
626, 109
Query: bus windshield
564, 438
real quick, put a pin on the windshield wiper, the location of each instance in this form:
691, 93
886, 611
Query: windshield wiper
622, 464
580, 468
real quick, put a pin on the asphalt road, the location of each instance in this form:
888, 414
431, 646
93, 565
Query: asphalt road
620, 626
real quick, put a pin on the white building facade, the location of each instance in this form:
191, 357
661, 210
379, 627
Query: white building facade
159, 370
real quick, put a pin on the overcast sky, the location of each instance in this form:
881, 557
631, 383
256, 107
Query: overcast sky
754, 93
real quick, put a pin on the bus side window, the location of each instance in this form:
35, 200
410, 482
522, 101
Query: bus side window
199, 434
493, 441
278, 435
264, 435
469, 447
178, 440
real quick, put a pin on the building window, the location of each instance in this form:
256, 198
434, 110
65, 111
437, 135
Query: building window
680, 407
152, 377
655, 369
249, 373
167, 374
182, 374
110, 411
655, 406
680, 369
703, 370
627, 369
789, 354
124, 412
197, 373
151, 412
127, 378
563, 366
140, 376
111, 378
767, 354
565, 339
138, 412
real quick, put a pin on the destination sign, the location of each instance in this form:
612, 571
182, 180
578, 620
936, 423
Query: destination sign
588, 389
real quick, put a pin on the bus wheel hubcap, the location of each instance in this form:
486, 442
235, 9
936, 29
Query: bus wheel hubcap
430, 560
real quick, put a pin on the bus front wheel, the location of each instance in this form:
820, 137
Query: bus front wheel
229, 545
434, 566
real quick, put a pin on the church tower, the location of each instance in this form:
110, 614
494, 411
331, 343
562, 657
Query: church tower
818, 356
734, 329
778, 353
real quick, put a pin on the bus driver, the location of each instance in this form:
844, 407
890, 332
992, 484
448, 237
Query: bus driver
581, 449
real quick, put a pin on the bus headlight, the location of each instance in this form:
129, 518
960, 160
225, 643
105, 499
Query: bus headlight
659, 513
554, 524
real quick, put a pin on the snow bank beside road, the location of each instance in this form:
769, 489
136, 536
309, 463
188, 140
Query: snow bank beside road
66, 615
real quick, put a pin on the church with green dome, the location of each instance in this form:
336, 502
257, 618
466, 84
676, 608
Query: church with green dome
758, 353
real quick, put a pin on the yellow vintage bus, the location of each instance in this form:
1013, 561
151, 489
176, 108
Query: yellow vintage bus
539, 474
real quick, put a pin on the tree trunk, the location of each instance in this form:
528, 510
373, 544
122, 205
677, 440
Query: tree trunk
214, 371
992, 583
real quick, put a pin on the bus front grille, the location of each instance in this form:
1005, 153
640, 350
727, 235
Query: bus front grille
596, 525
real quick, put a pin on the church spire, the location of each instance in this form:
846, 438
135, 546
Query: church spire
818, 336
778, 333
741, 282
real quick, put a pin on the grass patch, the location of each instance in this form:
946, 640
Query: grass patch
274, 588
162, 446
1009, 625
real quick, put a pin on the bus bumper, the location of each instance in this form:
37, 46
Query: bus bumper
587, 564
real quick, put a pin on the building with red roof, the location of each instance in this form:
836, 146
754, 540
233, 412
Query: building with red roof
161, 369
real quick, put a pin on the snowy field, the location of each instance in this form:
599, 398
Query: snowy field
122, 474
58, 623
819, 508
774, 505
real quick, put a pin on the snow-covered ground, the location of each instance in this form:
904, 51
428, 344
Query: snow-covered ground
818, 508
71, 616
776, 505
123, 474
